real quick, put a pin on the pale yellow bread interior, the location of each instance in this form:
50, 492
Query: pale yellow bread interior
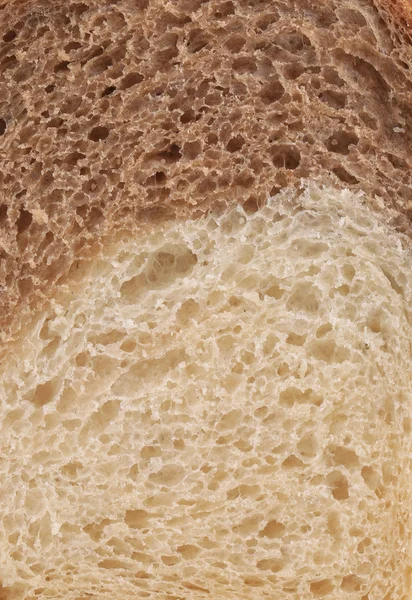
217, 408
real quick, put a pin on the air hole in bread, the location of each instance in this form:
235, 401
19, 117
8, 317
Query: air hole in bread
99, 65
321, 588
3, 214
197, 40
130, 80
98, 133
341, 142
352, 583
235, 43
345, 176
293, 41
108, 90
294, 70
235, 143
307, 446
339, 485
244, 64
192, 149
333, 98
285, 156
272, 91
24, 221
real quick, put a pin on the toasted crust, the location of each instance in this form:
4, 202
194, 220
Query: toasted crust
119, 113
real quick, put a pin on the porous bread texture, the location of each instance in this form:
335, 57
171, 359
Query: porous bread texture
118, 111
217, 408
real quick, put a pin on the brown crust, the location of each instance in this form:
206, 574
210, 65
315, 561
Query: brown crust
147, 110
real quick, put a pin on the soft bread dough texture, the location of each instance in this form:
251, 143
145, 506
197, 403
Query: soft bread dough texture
217, 408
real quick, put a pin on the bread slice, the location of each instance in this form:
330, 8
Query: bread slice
118, 111
205, 287
219, 407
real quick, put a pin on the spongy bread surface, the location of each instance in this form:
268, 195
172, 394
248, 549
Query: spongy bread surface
205, 353
219, 408
119, 111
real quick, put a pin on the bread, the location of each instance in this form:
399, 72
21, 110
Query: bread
220, 407
206, 300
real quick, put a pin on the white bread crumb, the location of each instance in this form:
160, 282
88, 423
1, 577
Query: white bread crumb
220, 408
